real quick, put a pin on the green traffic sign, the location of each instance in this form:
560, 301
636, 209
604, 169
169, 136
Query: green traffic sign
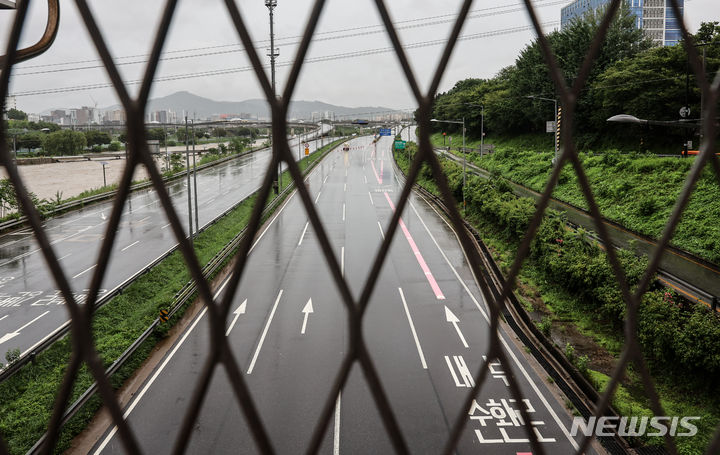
399, 145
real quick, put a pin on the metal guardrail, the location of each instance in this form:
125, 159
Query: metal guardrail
573, 384
219, 355
184, 295
81, 203
29, 355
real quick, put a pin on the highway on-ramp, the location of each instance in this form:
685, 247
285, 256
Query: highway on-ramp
425, 327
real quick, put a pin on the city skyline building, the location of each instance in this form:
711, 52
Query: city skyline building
654, 17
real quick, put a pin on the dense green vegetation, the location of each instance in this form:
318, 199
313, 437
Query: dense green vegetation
681, 340
629, 76
635, 190
29, 395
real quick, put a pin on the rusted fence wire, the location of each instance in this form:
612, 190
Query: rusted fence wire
220, 352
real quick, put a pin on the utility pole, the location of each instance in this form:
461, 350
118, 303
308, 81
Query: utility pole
271, 4
167, 156
197, 221
187, 173
482, 131
464, 164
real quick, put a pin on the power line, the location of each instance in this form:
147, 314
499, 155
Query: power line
346, 55
329, 36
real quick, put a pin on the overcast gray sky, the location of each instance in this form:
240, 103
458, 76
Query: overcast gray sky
202, 38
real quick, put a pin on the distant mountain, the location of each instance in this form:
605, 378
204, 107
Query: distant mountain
256, 108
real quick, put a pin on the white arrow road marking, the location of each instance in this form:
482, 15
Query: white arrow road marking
307, 310
240, 310
502, 339
452, 319
102, 216
11, 335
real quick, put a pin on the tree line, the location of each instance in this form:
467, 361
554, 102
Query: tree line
629, 76
50, 139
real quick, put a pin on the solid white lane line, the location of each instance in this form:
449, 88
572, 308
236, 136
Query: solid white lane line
264, 332
412, 329
29, 323
342, 261
371, 199
343, 211
302, 236
318, 196
382, 234
85, 271
147, 386
165, 226
131, 245
4, 317
336, 429
502, 339
153, 378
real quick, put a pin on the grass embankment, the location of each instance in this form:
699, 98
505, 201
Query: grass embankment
28, 396
567, 284
635, 190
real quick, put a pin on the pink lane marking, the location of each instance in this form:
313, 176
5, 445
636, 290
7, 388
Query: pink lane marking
378, 177
524, 453
382, 165
423, 265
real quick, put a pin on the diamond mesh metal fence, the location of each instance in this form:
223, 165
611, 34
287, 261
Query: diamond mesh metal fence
220, 352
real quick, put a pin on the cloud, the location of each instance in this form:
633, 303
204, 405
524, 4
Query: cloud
376, 79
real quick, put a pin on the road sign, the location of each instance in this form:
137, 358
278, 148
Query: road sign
684, 112
385, 132
550, 126
307, 151
164, 315
399, 145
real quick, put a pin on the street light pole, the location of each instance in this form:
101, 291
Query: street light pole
197, 211
104, 179
464, 152
482, 131
554, 101
464, 163
271, 4
187, 173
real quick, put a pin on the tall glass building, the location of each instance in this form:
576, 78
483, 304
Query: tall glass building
654, 17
